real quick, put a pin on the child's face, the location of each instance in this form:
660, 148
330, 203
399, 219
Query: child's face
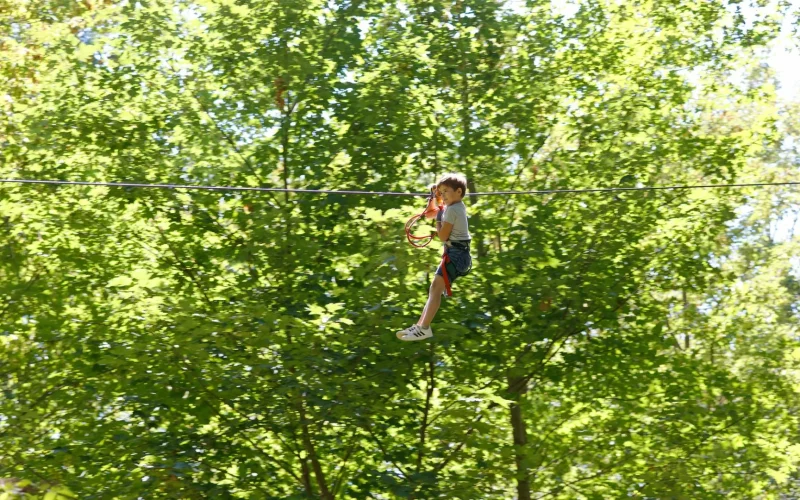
449, 195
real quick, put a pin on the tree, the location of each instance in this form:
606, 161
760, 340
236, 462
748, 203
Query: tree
194, 344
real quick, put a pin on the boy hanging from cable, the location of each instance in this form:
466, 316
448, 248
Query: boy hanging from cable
453, 229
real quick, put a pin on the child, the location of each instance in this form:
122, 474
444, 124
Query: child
453, 229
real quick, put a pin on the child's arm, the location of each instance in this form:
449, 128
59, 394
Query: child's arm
444, 229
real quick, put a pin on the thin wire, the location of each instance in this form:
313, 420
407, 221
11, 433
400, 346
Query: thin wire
206, 188
382, 193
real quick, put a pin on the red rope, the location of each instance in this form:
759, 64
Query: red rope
414, 239
430, 210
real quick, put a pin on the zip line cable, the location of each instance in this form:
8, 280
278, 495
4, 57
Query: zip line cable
380, 193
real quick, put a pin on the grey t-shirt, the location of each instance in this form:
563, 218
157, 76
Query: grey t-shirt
456, 214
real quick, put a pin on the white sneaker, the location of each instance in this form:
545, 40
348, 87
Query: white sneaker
415, 332
402, 333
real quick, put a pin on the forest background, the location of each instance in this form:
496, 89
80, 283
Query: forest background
196, 344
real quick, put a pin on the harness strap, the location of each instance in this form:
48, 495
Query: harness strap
445, 261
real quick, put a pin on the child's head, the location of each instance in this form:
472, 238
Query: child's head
453, 187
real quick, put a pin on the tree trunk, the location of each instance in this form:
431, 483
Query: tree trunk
426, 413
311, 453
520, 434
686, 340
306, 477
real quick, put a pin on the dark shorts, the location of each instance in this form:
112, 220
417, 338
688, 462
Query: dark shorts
459, 265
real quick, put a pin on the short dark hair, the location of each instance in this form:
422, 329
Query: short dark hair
454, 181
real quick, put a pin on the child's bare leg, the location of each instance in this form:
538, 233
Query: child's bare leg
424, 310
427, 302
434, 301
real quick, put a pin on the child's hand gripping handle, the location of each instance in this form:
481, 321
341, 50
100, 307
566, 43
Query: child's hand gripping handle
435, 203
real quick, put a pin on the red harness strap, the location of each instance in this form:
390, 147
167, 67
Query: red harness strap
445, 261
